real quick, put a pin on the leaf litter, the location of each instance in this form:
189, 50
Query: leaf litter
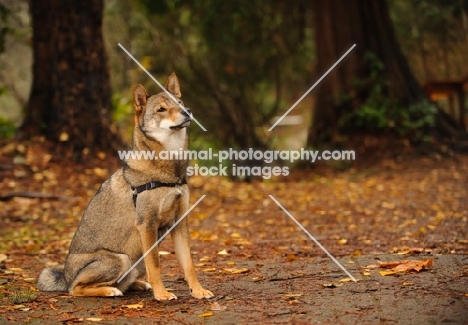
408, 208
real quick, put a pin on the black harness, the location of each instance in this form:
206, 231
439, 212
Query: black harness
152, 185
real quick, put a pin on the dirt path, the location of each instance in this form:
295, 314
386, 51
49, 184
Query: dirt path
261, 266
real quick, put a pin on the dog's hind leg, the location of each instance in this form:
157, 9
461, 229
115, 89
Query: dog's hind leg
99, 274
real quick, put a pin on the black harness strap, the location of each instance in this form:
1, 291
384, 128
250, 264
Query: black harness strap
152, 185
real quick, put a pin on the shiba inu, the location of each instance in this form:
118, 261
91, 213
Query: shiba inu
123, 219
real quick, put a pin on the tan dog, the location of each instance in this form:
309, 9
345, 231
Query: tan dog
122, 221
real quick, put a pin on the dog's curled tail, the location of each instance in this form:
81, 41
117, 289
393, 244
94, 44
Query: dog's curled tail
52, 279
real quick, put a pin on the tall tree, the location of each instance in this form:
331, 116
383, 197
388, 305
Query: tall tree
376, 60
239, 59
70, 100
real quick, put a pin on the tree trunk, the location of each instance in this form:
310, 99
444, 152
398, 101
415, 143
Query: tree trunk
70, 99
366, 23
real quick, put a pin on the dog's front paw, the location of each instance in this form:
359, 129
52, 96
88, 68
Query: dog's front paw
201, 293
140, 285
164, 295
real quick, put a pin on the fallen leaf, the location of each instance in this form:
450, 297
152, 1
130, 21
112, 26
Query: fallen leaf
217, 307
210, 269
413, 265
389, 265
401, 266
94, 319
207, 314
407, 265
134, 306
292, 295
235, 271
223, 252
346, 280
100, 172
387, 205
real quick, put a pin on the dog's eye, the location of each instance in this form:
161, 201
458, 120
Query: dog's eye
161, 109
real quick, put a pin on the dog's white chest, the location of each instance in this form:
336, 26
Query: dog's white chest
174, 141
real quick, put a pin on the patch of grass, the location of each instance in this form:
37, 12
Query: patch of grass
21, 297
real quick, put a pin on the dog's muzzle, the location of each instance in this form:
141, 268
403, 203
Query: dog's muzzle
187, 113
180, 126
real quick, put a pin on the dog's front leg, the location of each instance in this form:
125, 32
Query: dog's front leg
148, 236
181, 238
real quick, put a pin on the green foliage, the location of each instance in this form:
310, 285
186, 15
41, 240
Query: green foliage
415, 118
122, 114
7, 129
239, 62
378, 112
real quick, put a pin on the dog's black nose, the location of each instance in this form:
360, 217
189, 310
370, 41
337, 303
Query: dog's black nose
187, 112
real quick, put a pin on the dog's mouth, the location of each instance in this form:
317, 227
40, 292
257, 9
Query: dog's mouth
181, 126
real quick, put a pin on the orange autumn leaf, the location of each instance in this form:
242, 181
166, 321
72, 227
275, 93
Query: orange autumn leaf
413, 265
235, 271
402, 266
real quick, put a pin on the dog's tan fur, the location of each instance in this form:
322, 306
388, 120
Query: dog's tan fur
114, 233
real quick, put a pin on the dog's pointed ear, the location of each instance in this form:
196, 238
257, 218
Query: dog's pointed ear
173, 86
139, 97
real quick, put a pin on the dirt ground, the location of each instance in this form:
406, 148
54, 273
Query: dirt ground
261, 267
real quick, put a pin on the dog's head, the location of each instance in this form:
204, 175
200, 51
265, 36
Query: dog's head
158, 115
